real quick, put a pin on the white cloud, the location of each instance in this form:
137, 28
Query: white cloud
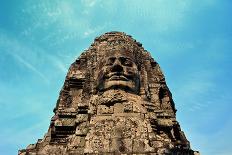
30, 67
89, 3
14, 48
26, 55
59, 64
88, 32
193, 89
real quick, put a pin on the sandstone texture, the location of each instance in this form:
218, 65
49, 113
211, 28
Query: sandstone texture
114, 101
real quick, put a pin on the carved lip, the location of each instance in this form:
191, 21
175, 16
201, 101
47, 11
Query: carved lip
117, 77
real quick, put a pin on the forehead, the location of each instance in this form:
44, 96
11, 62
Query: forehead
120, 53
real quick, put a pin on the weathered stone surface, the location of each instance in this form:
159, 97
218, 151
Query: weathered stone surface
114, 101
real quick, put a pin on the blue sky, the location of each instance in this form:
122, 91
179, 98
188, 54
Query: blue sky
191, 40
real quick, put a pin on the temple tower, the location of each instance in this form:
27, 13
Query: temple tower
114, 101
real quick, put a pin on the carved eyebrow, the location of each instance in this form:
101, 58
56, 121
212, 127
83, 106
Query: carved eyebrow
110, 60
111, 57
126, 58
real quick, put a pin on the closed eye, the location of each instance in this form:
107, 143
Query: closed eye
126, 62
110, 61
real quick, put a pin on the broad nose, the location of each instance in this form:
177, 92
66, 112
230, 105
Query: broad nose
117, 66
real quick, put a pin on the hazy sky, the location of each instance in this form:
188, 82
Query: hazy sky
190, 39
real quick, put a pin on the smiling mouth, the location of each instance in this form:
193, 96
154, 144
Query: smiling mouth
117, 78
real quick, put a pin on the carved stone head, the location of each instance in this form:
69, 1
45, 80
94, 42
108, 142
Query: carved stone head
118, 70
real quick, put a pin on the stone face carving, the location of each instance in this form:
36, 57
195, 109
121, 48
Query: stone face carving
114, 101
118, 71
